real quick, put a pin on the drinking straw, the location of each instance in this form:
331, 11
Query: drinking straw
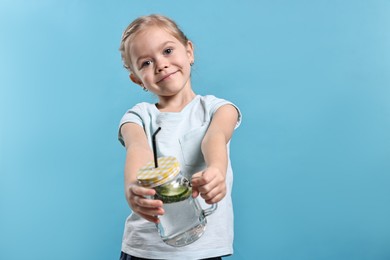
154, 147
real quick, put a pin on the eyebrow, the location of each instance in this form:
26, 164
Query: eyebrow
161, 45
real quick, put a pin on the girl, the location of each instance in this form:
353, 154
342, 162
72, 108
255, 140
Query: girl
195, 129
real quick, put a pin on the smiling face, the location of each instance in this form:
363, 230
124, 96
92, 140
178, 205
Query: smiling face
161, 63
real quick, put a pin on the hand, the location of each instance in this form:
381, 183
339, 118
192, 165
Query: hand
149, 209
210, 184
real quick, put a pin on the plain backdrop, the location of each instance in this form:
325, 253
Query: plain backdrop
311, 158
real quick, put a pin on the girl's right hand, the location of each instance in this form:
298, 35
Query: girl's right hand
149, 209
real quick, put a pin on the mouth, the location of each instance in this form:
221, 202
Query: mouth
166, 77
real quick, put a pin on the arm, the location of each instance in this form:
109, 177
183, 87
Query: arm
210, 183
138, 153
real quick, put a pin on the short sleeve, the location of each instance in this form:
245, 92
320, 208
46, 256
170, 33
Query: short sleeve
133, 115
215, 103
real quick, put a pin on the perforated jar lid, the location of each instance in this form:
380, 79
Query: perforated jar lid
149, 176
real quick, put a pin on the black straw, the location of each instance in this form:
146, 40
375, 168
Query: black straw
154, 147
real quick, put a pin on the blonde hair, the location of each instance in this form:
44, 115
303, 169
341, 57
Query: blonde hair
143, 23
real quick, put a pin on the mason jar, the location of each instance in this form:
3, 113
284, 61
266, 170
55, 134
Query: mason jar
184, 220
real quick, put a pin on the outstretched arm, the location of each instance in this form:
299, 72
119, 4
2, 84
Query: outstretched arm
138, 153
210, 183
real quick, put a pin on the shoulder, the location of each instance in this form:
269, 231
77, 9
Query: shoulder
141, 107
213, 103
139, 114
210, 99
141, 110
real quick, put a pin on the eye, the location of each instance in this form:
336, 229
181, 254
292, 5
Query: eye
168, 51
146, 63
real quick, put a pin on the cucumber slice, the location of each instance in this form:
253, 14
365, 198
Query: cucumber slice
170, 193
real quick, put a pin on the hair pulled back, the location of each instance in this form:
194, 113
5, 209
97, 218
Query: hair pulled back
142, 23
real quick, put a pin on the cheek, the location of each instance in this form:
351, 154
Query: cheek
184, 62
147, 80
187, 66
145, 77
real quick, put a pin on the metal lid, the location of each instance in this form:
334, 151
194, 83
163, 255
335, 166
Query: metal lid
149, 176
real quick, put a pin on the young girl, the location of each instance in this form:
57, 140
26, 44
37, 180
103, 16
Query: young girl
195, 129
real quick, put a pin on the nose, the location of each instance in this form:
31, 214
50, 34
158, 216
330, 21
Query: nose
162, 68
161, 64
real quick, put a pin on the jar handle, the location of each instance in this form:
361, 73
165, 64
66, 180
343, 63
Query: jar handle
210, 210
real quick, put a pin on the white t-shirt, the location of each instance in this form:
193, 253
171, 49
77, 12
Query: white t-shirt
181, 135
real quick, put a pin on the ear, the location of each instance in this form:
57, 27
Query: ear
135, 79
190, 51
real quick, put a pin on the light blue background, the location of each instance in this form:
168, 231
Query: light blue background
311, 158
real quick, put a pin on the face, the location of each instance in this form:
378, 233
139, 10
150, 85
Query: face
161, 63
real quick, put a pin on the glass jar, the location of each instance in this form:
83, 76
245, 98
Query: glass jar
184, 221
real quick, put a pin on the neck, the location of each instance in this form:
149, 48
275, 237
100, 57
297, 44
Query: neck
175, 103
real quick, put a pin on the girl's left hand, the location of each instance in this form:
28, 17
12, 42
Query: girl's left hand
210, 184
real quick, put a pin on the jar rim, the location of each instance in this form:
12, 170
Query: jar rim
149, 176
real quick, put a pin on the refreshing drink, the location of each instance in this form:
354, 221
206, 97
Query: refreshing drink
184, 215
182, 212
184, 221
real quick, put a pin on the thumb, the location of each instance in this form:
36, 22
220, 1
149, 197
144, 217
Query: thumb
196, 179
197, 175
195, 184
195, 192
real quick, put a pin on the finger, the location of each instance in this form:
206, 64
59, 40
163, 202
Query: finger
209, 185
147, 207
152, 212
141, 191
147, 203
197, 175
198, 179
212, 189
215, 199
208, 194
195, 193
153, 219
